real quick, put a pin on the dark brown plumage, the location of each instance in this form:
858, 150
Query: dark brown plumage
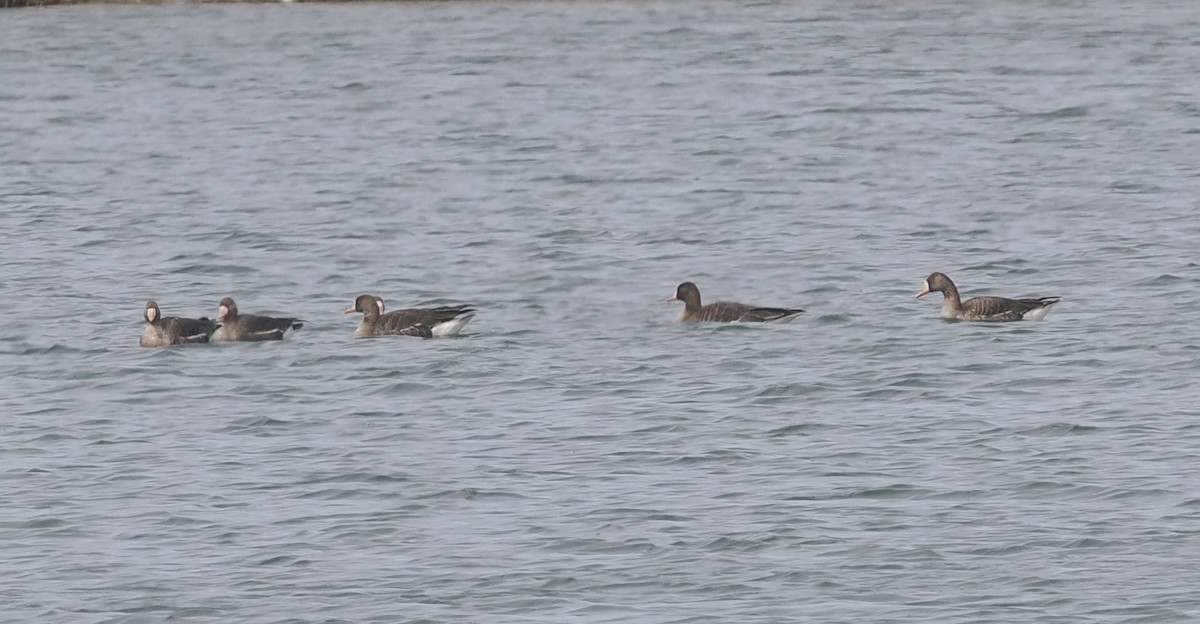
250, 327
727, 311
438, 322
994, 309
173, 330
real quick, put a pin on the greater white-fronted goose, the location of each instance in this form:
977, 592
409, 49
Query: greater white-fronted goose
727, 311
172, 330
249, 327
995, 309
422, 322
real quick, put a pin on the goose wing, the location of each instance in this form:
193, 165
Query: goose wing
191, 330
267, 327
419, 321
1002, 308
769, 315
723, 312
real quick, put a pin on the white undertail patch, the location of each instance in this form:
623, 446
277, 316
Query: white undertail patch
1038, 314
445, 329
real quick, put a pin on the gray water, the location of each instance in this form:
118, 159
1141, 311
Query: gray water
576, 455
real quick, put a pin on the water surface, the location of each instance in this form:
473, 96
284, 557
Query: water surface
576, 455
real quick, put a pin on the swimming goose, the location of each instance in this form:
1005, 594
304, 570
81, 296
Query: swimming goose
172, 330
422, 322
248, 327
727, 311
984, 308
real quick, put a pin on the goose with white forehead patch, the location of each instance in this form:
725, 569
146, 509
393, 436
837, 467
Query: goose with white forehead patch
237, 327
993, 309
164, 331
441, 322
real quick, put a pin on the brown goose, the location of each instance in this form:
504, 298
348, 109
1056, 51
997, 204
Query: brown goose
727, 311
248, 327
422, 322
984, 308
172, 330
